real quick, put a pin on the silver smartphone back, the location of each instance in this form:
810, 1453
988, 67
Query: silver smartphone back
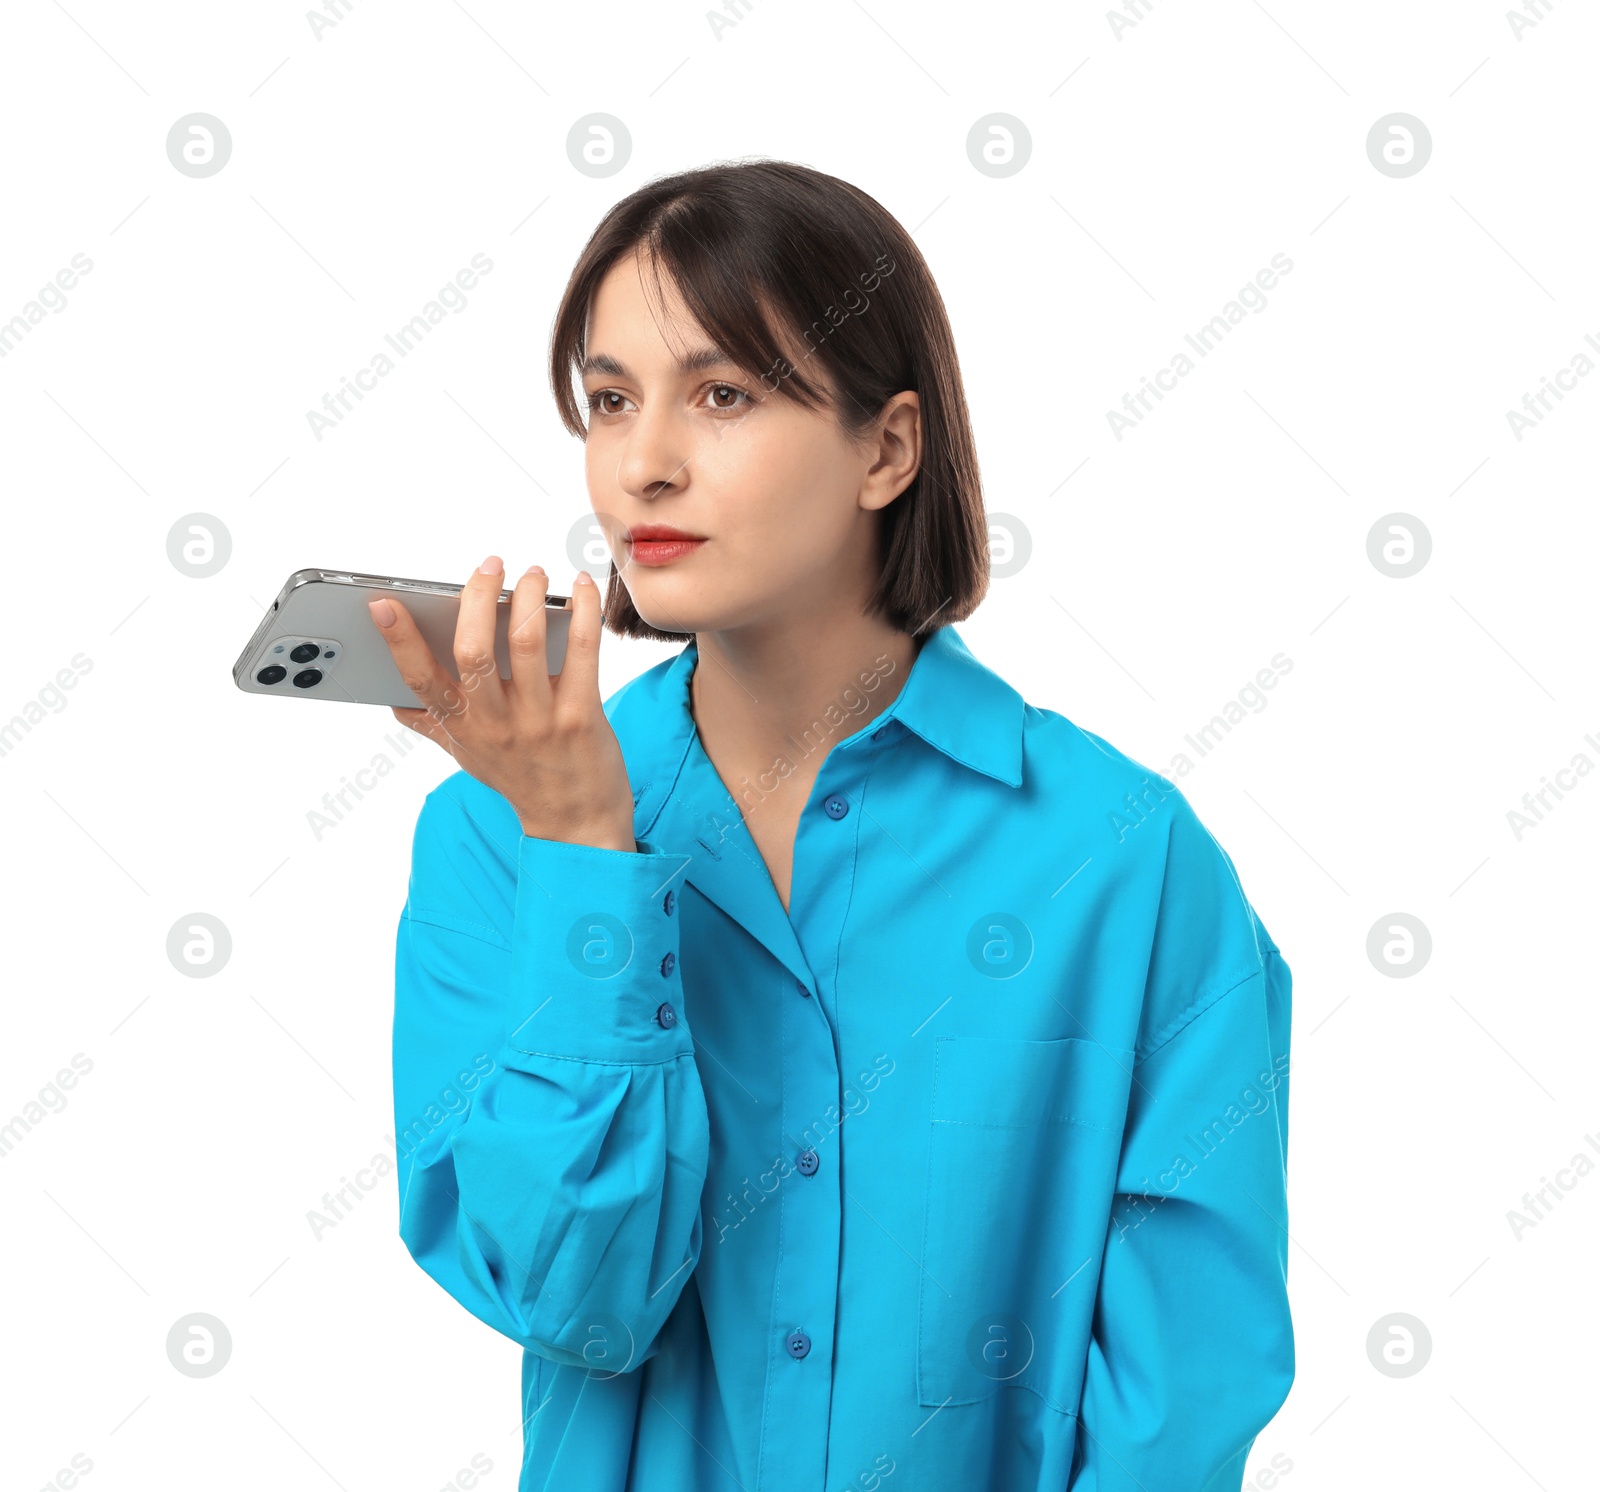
319, 641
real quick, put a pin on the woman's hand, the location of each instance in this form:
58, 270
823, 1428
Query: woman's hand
540, 740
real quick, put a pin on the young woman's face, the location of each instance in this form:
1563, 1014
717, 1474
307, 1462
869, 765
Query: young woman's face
783, 506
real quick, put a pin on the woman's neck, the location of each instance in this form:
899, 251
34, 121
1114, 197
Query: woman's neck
763, 698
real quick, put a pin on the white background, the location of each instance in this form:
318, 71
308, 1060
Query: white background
1168, 165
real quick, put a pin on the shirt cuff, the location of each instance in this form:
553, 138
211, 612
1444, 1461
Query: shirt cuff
595, 953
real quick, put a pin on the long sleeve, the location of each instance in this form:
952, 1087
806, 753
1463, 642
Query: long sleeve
1192, 1349
552, 1132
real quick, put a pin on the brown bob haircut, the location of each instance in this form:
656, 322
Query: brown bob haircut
847, 285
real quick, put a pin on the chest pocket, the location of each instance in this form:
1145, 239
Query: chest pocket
1023, 1143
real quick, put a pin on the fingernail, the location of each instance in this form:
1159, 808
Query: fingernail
490, 566
382, 612
534, 570
584, 578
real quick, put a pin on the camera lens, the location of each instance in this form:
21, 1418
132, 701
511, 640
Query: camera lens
305, 652
307, 677
271, 674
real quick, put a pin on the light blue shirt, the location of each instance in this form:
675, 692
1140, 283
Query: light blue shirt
967, 1172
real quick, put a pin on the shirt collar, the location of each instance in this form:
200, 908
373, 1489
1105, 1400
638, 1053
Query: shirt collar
949, 700
962, 708
956, 704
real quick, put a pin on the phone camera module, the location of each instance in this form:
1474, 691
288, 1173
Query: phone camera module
313, 658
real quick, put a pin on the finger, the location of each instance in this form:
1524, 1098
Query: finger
579, 683
530, 671
476, 663
421, 672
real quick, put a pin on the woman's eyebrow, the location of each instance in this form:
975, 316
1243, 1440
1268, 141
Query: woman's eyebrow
696, 360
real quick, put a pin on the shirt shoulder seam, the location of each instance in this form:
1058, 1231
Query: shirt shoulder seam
1192, 1012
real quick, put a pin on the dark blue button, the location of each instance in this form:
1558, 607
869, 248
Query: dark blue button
798, 1344
666, 1016
667, 963
808, 1162
877, 735
803, 990
835, 806
666, 904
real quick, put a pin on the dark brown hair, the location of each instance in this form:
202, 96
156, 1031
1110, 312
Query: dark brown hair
845, 283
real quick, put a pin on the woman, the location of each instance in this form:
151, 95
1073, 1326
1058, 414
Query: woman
828, 1067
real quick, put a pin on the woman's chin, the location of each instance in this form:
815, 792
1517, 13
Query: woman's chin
663, 615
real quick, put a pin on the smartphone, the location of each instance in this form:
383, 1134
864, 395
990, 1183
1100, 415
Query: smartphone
319, 641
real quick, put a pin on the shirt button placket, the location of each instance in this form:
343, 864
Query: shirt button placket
811, 1229
666, 1016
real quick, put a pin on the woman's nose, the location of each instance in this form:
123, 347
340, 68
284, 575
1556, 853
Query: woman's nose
654, 454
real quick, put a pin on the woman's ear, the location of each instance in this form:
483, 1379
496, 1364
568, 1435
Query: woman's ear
897, 451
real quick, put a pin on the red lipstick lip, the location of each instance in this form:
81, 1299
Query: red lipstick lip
649, 551
660, 532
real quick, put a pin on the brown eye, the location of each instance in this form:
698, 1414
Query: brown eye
727, 388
